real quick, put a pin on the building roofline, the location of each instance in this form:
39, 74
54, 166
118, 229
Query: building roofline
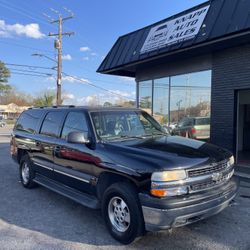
177, 51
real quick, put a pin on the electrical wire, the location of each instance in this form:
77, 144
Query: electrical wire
27, 47
29, 71
96, 86
36, 75
30, 14
28, 66
22, 11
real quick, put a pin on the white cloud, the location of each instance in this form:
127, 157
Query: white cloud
67, 57
85, 49
123, 93
50, 79
93, 54
68, 96
31, 30
101, 98
51, 87
127, 79
69, 79
73, 79
87, 100
86, 58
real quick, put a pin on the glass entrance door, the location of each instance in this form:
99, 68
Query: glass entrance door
243, 128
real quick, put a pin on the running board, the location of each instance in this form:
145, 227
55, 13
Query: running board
82, 198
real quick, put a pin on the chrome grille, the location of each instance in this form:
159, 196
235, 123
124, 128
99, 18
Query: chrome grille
210, 183
218, 167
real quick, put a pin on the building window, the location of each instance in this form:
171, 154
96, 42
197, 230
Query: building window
160, 100
145, 96
190, 96
178, 97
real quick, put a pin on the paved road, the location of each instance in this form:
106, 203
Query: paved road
40, 219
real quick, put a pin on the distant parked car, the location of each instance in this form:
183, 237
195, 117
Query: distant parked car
193, 127
2, 123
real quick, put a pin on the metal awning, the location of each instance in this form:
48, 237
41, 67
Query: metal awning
222, 24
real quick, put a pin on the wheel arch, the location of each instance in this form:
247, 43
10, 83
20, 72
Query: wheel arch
20, 153
106, 179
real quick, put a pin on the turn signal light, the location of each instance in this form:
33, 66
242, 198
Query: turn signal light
174, 191
159, 192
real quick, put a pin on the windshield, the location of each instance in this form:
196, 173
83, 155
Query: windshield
113, 125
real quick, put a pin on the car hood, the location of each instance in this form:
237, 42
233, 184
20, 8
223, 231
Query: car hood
164, 152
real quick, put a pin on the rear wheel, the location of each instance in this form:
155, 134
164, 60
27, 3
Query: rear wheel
26, 172
122, 212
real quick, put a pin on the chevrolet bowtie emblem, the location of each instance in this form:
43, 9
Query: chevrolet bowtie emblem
217, 176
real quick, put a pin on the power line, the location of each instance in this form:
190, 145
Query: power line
28, 66
27, 47
38, 75
30, 71
98, 87
22, 11
29, 14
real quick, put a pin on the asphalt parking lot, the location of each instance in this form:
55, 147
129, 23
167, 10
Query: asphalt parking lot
41, 219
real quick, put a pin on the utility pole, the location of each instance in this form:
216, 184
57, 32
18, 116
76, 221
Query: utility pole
58, 46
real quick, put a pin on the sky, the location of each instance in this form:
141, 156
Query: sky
97, 25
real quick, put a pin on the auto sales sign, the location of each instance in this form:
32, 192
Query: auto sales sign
174, 31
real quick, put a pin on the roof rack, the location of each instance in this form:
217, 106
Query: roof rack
55, 106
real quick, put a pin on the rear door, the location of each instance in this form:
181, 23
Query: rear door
43, 156
202, 128
74, 163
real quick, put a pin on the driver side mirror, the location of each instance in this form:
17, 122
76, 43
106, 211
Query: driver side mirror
78, 137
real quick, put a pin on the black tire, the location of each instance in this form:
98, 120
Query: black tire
27, 182
128, 194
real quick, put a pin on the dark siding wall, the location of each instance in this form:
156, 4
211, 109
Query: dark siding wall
231, 72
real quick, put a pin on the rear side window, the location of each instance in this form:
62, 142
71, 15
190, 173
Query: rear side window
75, 122
51, 124
28, 121
202, 121
186, 122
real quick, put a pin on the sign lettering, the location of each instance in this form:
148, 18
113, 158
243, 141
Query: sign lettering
175, 30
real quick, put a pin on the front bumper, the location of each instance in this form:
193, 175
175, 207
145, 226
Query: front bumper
161, 214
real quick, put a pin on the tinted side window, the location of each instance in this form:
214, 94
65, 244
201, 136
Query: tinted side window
202, 121
28, 121
75, 121
51, 124
186, 122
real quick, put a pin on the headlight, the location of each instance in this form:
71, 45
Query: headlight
174, 175
160, 179
231, 160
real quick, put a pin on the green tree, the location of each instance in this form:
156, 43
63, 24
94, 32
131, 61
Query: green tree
4, 72
5, 89
107, 104
145, 102
47, 99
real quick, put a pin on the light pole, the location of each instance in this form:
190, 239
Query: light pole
178, 104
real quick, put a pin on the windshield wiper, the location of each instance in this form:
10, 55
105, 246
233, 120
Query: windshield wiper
133, 136
156, 134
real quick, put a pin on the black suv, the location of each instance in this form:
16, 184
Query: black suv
123, 162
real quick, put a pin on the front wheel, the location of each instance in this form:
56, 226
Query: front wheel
122, 212
26, 172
